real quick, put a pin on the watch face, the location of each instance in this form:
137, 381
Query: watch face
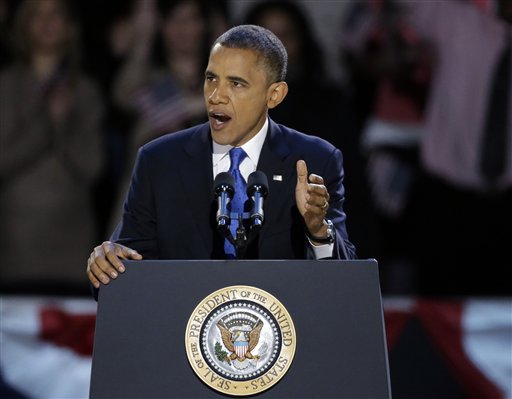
330, 231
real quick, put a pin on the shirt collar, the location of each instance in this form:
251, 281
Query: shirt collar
252, 148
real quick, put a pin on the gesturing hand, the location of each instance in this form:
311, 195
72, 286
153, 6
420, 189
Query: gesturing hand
312, 200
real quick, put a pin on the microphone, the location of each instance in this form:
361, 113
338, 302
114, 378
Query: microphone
223, 190
257, 189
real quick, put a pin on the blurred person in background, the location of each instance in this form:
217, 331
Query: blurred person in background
108, 38
50, 152
219, 17
161, 81
466, 148
390, 66
317, 103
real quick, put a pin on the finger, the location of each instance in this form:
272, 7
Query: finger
98, 257
109, 262
127, 253
316, 209
316, 179
302, 172
319, 203
317, 189
98, 273
92, 278
317, 195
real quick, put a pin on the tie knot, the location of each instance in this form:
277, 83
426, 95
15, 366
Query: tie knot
237, 155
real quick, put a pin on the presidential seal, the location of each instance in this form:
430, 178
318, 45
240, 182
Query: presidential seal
240, 340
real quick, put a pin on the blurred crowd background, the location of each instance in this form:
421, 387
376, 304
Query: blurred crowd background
401, 87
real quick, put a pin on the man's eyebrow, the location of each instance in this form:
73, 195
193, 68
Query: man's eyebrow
238, 79
210, 74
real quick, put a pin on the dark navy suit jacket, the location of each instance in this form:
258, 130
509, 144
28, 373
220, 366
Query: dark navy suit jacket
169, 211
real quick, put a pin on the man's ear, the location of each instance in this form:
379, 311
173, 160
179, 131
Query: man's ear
277, 92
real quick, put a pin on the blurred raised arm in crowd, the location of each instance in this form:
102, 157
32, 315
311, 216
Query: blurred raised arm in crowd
458, 219
161, 80
466, 147
389, 65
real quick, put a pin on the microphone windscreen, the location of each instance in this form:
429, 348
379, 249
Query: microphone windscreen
257, 179
223, 179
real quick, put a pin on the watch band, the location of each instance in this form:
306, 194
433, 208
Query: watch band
331, 234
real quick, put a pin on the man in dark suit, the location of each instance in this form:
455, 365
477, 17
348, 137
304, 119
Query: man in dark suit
170, 211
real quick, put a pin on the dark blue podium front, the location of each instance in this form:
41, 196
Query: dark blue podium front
336, 307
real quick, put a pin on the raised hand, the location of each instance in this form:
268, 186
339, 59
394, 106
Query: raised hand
312, 200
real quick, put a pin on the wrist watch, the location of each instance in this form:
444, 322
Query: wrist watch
331, 234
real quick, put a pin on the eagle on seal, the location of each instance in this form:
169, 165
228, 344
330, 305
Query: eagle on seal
248, 340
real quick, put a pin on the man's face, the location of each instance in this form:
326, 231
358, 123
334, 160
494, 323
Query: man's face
237, 95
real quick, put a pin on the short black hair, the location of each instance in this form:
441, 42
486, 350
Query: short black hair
262, 41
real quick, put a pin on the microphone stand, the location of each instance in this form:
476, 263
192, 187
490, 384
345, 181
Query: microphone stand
244, 236
240, 242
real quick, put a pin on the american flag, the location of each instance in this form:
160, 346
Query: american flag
162, 105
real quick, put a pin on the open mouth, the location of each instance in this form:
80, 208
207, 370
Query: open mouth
219, 118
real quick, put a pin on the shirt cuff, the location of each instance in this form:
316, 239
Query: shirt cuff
322, 251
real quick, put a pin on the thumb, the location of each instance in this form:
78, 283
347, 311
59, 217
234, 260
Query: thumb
302, 173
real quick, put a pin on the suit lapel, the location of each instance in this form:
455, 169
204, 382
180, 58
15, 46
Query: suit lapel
197, 182
275, 162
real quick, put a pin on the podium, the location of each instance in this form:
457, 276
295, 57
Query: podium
145, 317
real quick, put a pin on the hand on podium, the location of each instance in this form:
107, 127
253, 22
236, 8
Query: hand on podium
104, 262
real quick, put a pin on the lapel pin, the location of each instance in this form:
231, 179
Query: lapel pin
277, 178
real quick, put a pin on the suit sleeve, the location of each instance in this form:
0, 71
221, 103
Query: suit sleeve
333, 175
137, 228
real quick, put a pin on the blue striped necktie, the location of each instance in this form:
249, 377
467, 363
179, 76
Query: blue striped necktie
236, 155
